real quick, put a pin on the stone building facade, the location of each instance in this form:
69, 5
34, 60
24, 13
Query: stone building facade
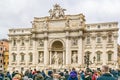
63, 41
4, 59
119, 56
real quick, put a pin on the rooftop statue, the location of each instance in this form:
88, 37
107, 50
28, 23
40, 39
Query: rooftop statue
57, 12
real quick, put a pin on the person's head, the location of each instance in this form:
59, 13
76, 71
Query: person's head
61, 74
67, 72
73, 74
50, 73
73, 69
105, 69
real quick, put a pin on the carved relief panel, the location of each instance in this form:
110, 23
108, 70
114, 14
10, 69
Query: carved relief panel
74, 41
40, 43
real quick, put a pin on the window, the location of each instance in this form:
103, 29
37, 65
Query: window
109, 57
1, 61
88, 40
109, 25
31, 57
1, 49
30, 41
22, 57
98, 39
22, 42
1, 42
98, 26
109, 38
99, 56
14, 42
88, 27
14, 57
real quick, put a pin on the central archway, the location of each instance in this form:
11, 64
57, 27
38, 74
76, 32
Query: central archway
57, 45
57, 55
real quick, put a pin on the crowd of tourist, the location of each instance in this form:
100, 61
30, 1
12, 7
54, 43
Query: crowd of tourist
104, 74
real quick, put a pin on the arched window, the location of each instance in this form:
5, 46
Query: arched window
22, 57
22, 42
30, 57
30, 42
98, 39
110, 55
109, 38
14, 57
98, 56
98, 26
14, 42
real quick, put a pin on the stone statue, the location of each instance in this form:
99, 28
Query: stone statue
51, 13
67, 23
40, 60
56, 58
41, 43
45, 24
74, 57
56, 12
62, 13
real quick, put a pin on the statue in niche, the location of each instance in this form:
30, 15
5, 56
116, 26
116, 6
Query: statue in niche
74, 57
67, 23
55, 58
45, 24
41, 43
40, 60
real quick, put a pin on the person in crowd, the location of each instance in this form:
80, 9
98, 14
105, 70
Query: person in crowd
17, 77
106, 74
1, 76
95, 75
61, 77
43, 74
8, 76
82, 75
73, 75
114, 73
38, 76
30, 74
34, 72
66, 75
50, 75
88, 75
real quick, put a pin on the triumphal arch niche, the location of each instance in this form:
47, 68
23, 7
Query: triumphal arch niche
57, 37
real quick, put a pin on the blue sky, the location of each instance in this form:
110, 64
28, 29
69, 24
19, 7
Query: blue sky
19, 13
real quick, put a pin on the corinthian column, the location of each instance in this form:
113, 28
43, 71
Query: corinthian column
46, 54
68, 56
80, 51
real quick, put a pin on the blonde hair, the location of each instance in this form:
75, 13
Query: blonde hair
17, 76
